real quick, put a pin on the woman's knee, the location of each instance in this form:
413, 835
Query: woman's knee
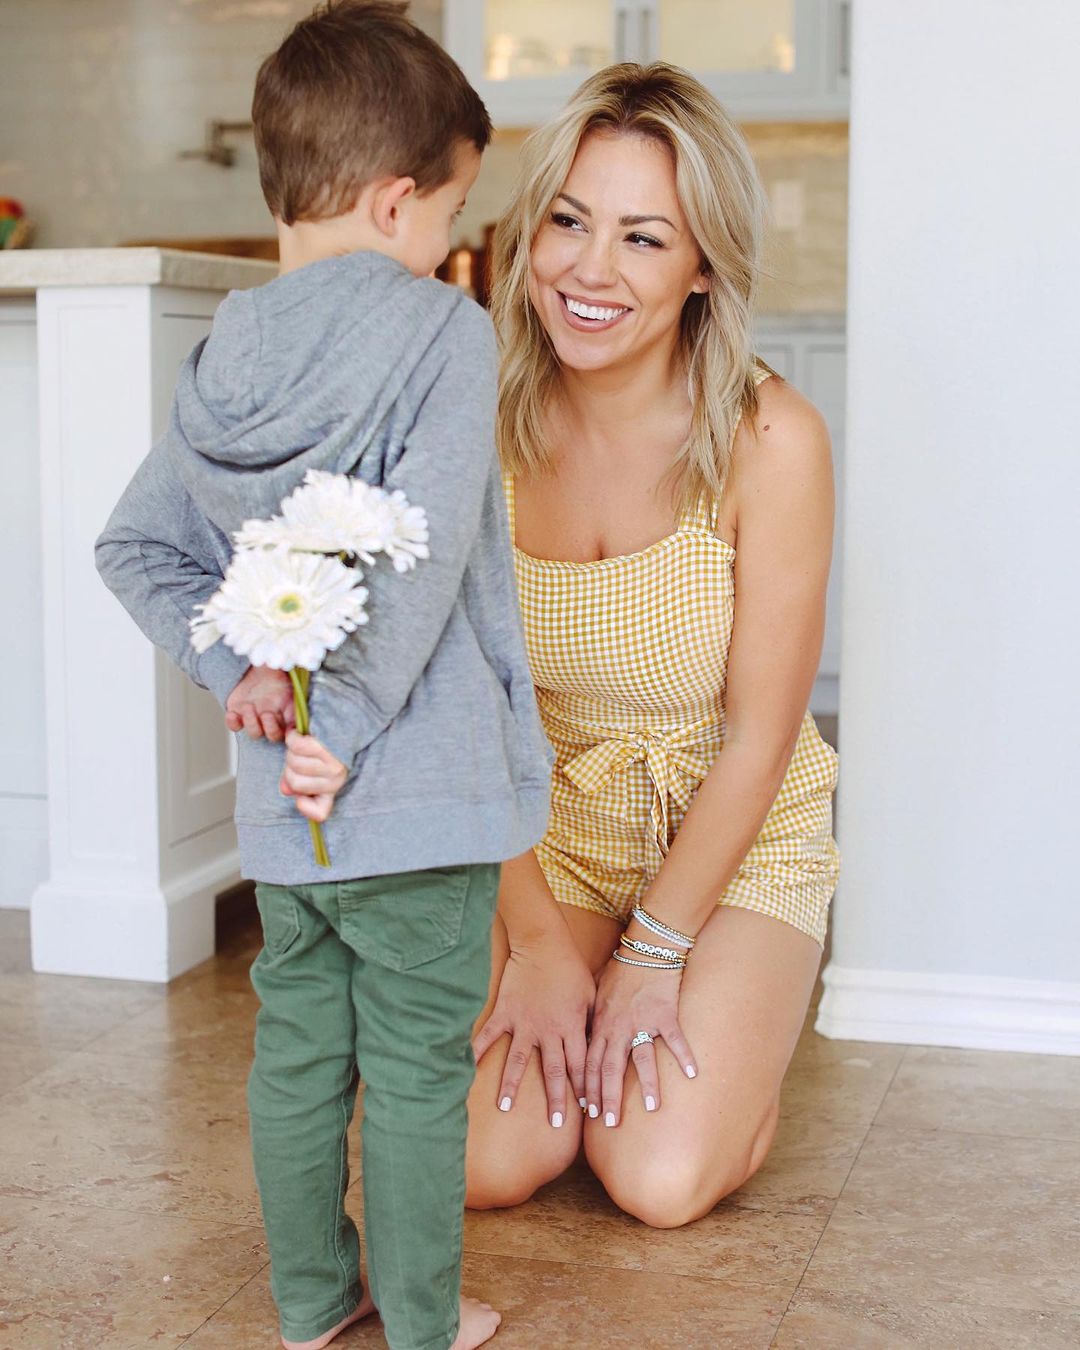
492, 1184
666, 1193
507, 1167
675, 1186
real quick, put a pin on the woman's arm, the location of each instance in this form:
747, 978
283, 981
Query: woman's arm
527, 907
784, 502
545, 993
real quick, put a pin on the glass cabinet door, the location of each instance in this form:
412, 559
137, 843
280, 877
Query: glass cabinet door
766, 54
528, 41
526, 58
728, 36
762, 58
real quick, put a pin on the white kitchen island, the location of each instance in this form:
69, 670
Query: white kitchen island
116, 783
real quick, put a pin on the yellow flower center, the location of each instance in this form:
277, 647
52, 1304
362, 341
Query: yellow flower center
290, 604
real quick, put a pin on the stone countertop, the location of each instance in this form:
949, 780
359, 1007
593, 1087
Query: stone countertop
23, 270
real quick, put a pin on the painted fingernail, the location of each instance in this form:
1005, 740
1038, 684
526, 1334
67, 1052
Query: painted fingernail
556, 1119
505, 1104
650, 1103
691, 1072
609, 1119
593, 1112
582, 1103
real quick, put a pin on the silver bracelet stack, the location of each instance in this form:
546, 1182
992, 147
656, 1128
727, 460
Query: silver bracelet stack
661, 929
658, 958
668, 954
616, 955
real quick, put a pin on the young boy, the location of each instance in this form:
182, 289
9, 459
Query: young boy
354, 361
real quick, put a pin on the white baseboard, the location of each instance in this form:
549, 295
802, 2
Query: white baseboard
974, 1012
151, 934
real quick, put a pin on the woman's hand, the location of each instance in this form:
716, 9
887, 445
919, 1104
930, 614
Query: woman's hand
544, 1000
628, 1000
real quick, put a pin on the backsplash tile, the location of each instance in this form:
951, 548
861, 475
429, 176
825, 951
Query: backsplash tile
99, 97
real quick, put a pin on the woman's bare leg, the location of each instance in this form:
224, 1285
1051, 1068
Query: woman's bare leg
512, 1153
744, 998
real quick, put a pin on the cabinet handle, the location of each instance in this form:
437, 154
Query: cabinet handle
845, 39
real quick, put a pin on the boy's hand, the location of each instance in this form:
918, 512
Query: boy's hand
261, 704
312, 775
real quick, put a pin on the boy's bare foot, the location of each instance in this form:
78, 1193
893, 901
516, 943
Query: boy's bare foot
366, 1306
479, 1322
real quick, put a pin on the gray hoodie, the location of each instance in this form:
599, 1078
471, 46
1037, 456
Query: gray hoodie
353, 365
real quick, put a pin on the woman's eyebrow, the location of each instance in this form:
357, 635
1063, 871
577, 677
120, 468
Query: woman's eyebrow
623, 220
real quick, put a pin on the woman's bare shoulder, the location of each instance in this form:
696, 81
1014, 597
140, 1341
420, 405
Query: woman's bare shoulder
786, 433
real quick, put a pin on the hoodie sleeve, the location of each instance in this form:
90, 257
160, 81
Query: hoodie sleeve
446, 466
157, 556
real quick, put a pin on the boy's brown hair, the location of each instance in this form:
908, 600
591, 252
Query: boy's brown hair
356, 92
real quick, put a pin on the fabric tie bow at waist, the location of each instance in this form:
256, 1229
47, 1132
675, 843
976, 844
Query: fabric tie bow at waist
675, 767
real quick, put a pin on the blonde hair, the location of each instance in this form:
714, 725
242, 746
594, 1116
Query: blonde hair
721, 195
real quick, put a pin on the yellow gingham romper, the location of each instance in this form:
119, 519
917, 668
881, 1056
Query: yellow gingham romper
629, 657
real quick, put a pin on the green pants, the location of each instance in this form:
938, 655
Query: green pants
385, 976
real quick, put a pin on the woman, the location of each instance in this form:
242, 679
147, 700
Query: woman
671, 503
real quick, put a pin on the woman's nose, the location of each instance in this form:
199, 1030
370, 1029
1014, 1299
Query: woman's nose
595, 265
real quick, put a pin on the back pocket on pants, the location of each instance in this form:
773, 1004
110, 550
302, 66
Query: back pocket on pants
280, 917
406, 919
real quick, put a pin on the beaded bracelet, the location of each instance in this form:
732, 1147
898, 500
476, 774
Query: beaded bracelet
661, 929
647, 949
616, 955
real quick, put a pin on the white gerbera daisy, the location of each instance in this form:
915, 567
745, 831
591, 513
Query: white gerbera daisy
407, 539
282, 609
328, 513
261, 534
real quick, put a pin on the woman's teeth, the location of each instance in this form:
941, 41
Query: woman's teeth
592, 311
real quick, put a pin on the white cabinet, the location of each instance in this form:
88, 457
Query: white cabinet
116, 786
811, 354
24, 832
773, 59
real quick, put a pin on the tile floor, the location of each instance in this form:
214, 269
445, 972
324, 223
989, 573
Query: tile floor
914, 1197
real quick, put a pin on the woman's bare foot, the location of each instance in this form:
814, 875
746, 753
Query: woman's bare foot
365, 1307
479, 1322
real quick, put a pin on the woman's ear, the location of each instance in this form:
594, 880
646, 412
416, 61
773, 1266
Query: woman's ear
387, 202
702, 284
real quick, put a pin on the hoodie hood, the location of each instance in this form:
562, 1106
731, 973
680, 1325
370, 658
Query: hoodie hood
299, 374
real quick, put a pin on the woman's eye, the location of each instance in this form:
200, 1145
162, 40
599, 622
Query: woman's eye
645, 239
565, 221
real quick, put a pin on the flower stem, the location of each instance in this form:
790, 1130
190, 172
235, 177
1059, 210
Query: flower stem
300, 680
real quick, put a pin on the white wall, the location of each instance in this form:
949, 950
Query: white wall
961, 653
98, 97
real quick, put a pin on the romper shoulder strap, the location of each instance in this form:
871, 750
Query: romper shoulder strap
511, 505
706, 514
702, 516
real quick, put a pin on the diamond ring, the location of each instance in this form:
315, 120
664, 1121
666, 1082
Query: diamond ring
642, 1038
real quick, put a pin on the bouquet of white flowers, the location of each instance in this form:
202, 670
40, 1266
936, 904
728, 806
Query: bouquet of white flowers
292, 591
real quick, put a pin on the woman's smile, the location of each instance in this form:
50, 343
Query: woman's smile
591, 316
